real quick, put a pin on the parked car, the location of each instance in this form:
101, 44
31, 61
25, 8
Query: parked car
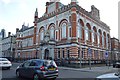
109, 76
38, 69
116, 65
5, 63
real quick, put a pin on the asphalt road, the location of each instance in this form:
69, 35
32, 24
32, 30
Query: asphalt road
64, 74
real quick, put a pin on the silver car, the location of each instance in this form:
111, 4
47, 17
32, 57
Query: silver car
109, 76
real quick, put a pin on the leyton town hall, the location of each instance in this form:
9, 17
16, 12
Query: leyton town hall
64, 32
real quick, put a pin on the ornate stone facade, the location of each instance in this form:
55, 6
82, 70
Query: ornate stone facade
69, 31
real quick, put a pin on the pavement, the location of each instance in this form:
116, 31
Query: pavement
103, 69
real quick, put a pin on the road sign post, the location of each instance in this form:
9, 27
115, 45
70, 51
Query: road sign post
89, 53
106, 56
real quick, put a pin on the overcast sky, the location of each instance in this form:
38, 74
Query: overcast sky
13, 13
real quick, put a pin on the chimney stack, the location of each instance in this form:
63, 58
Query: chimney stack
9, 34
17, 29
73, 1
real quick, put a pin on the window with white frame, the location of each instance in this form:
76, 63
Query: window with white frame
103, 40
98, 38
64, 30
69, 32
52, 33
56, 34
93, 36
87, 33
79, 34
107, 41
42, 35
78, 31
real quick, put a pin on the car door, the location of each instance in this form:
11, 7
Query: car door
24, 69
31, 69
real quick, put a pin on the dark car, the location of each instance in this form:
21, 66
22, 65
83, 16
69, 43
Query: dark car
116, 65
38, 69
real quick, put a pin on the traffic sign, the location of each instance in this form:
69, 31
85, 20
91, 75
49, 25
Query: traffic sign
89, 51
106, 54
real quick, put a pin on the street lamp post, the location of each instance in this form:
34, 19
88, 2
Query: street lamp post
80, 56
89, 53
36, 54
106, 55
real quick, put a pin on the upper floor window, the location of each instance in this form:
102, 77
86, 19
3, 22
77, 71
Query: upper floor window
56, 35
107, 41
52, 33
87, 33
103, 40
70, 32
64, 30
93, 37
42, 35
98, 38
79, 31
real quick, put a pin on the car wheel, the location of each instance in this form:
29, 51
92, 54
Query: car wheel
36, 77
17, 73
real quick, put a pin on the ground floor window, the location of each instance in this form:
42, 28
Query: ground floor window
82, 53
68, 54
78, 52
58, 54
63, 54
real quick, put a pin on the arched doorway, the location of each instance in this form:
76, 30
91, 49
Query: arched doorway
46, 56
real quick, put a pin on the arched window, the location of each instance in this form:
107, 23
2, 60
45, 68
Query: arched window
52, 33
95, 34
79, 31
87, 33
104, 36
42, 35
98, 38
64, 30
107, 42
93, 37
103, 40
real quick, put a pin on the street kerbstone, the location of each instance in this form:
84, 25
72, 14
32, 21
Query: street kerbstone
93, 69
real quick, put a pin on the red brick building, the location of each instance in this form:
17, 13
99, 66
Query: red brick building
69, 31
115, 49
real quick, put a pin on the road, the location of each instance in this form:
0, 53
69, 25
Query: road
63, 74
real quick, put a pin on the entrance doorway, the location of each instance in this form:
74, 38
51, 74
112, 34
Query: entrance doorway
46, 56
